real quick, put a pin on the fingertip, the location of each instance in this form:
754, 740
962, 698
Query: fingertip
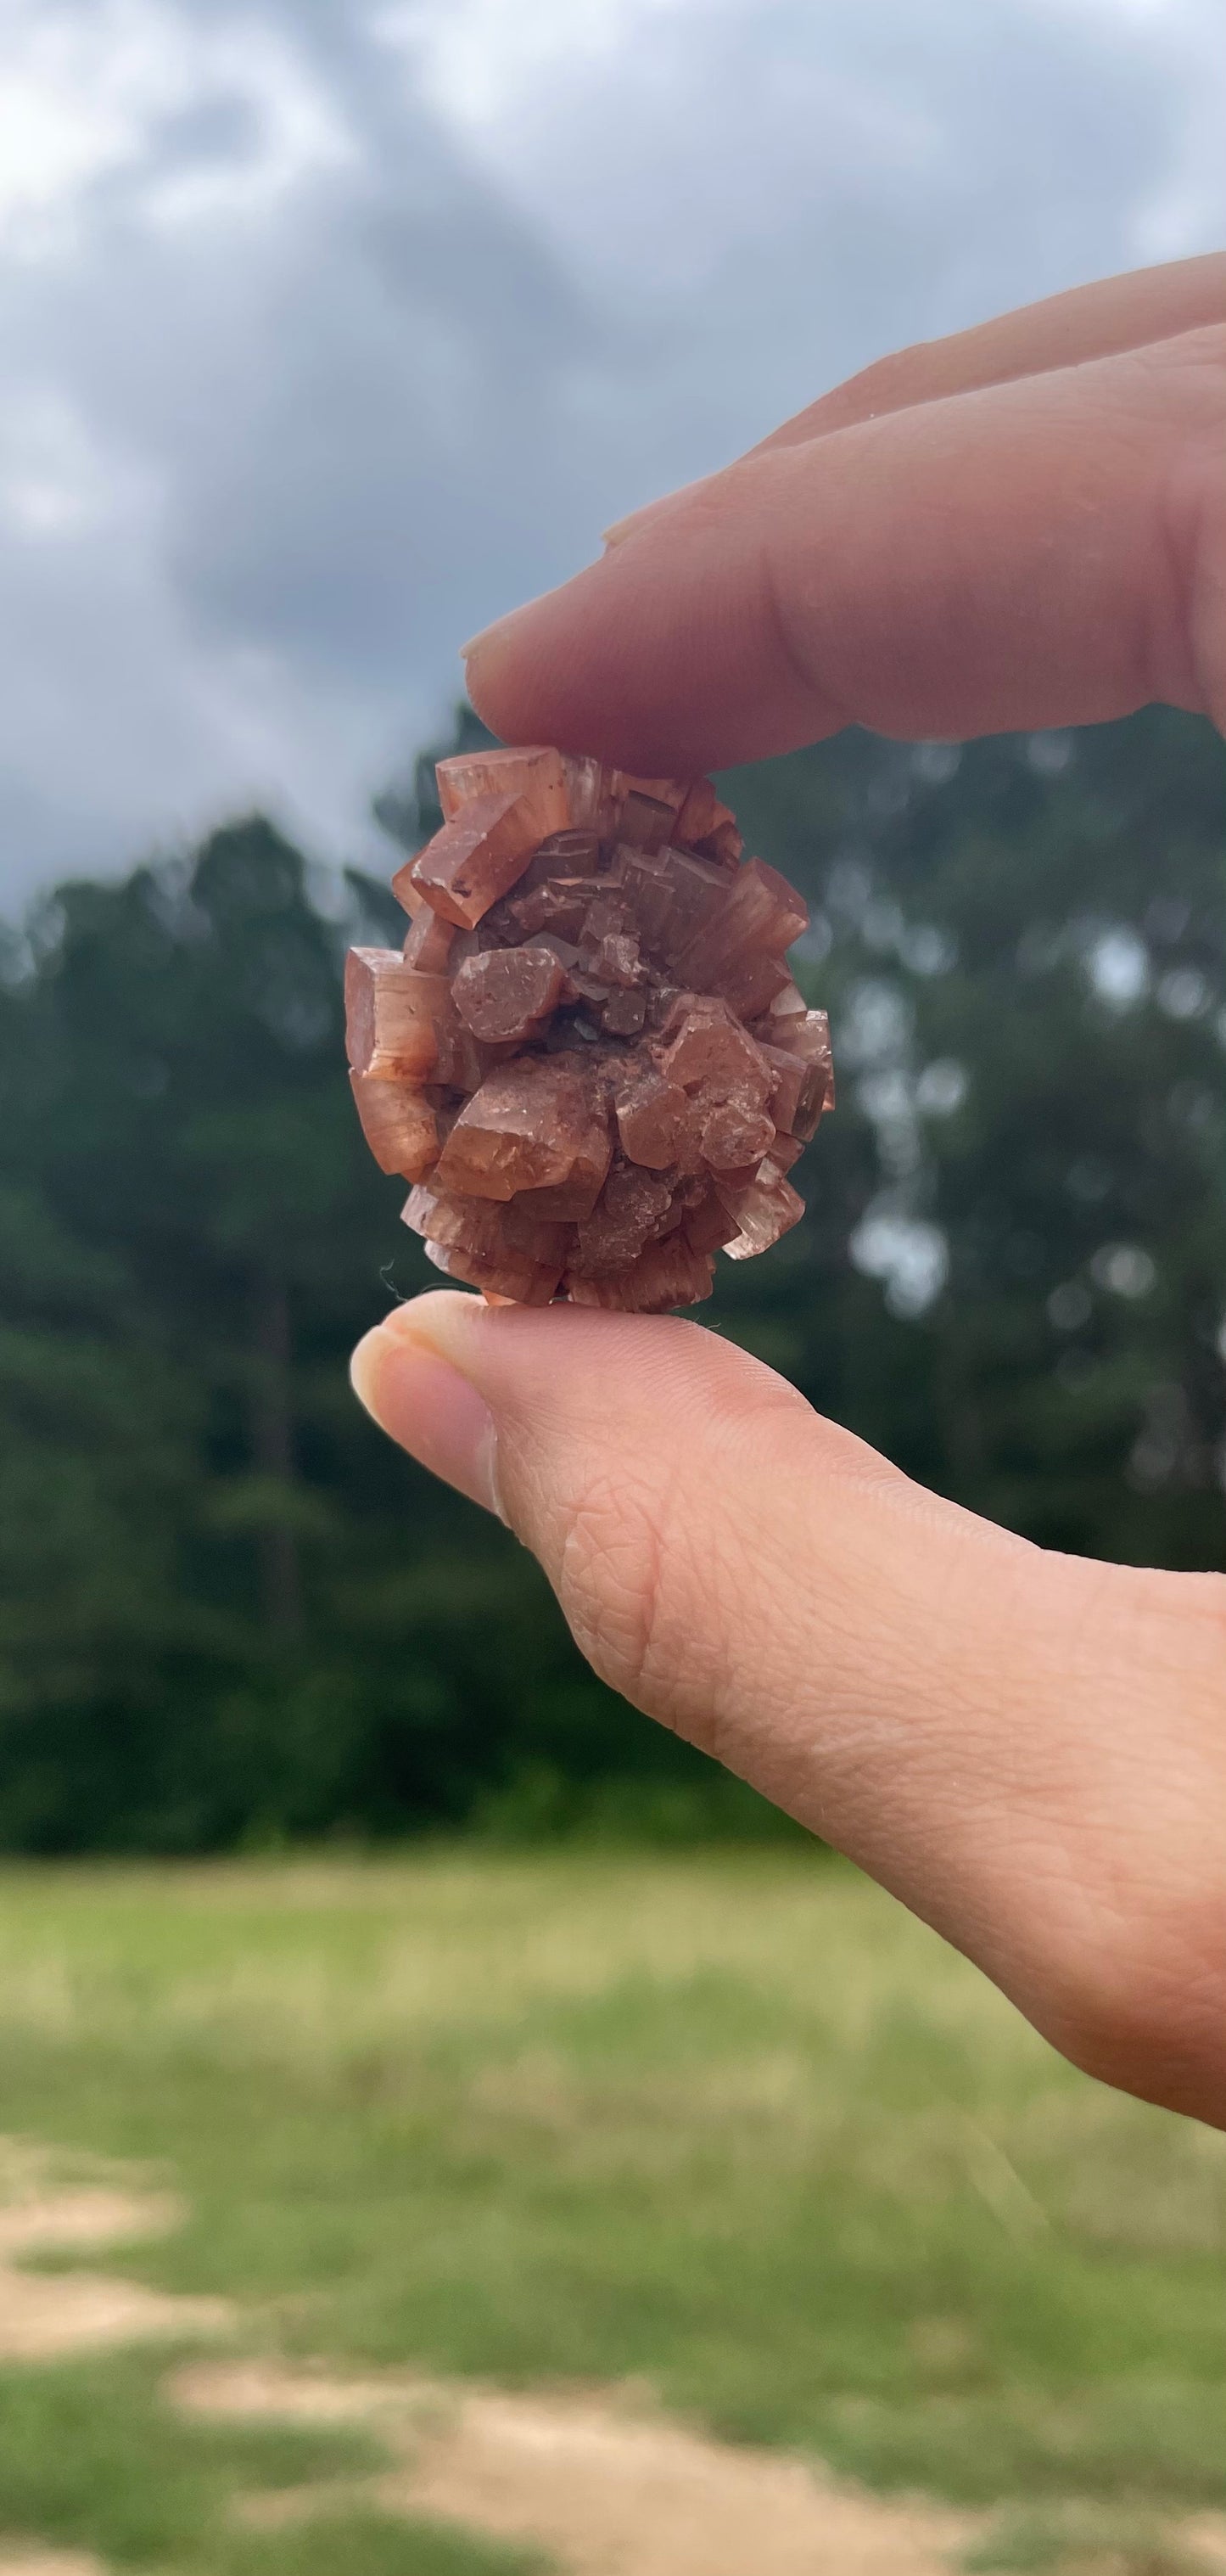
480, 646
664, 655
405, 1376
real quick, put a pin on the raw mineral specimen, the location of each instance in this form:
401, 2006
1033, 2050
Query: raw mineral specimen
590, 1058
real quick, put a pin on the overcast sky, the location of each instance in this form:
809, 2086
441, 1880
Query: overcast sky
328, 330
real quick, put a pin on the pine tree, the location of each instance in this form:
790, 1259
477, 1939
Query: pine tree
229, 1609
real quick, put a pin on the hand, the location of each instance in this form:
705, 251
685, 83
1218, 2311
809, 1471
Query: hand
1021, 527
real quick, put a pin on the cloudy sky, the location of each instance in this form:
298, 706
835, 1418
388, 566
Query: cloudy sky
329, 328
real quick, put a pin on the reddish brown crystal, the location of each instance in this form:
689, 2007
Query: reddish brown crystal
591, 1057
476, 857
393, 1015
559, 906
491, 1246
522, 1130
623, 1014
764, 1207
507, 993
594, 793
758, 918
458, 1225
704, 1049
537, 774
591, 1152
707, 1226
511, 1280
672, 893
430, 942
645, 822
798, 1091
399, 1125
733, 1135
663, 1277
704, 824
653, 1117
634, 1209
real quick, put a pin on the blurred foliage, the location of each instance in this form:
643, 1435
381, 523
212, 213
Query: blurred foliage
230, 1613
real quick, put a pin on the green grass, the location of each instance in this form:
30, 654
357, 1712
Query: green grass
731, 2124
92, 2457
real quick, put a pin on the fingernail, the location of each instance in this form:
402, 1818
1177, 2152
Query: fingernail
623, 528
503, 625
476, 641
428, 1407
636, 519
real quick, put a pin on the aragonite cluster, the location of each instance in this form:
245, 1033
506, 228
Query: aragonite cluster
590, 1057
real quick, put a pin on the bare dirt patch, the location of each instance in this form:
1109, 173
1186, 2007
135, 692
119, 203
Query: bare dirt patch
608, 2492
48, 2562
50, 2316
607, 2488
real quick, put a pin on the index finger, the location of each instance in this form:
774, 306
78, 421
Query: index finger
1067, 330
1049, 551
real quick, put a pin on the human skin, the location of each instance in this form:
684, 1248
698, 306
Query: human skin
1023, 526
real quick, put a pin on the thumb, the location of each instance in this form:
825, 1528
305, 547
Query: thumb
968, 1717
724, 1557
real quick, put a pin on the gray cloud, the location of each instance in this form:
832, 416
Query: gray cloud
317, 362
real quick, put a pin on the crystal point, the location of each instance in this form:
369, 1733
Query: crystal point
393, 1015
399, 1125
760, 915
765, 1207
479, 854
536, 774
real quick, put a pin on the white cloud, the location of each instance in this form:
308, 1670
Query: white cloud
55, 483
482, 62
327, 330
84, 93
654, 138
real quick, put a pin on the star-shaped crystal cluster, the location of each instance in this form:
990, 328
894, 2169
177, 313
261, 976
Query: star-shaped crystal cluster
590, 1057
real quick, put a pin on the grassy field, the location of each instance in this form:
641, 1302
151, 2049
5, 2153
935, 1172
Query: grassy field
728, 2126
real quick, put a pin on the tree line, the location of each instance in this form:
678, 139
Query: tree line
229, 1612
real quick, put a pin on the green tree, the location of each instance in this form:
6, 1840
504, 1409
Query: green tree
1024, 947
228, 1608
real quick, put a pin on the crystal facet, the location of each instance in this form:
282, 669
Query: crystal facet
393, 1015
429, 943
507, 993
522, 1130
399, 1125
538, 775
476, 857
591, 1058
